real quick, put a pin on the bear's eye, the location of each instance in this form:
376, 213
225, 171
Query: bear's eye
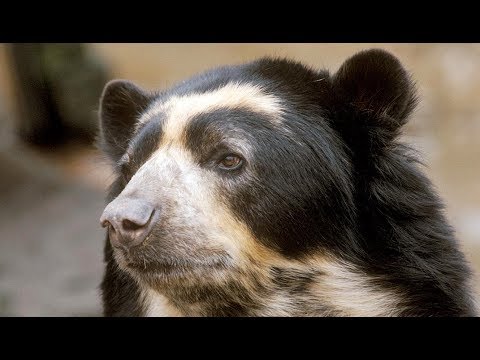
230, 162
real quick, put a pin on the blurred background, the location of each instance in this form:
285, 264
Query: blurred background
53, 180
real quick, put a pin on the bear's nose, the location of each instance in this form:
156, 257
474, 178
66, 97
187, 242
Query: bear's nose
129, 221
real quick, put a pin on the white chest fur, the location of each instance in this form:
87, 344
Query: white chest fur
157, 305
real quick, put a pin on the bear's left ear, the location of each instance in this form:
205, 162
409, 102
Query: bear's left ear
375, 84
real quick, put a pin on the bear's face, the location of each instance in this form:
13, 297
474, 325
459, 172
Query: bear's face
244, 168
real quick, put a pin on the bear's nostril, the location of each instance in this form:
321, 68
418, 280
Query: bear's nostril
130, 225
105, 223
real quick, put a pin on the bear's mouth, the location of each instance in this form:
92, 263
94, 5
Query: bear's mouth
143, 264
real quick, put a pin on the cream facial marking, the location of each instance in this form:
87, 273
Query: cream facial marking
180, 109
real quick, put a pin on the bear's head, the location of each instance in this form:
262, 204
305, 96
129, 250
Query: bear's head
233, 175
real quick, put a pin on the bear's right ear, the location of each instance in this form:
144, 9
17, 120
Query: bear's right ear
121, 104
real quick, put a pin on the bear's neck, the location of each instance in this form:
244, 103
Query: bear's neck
325, 288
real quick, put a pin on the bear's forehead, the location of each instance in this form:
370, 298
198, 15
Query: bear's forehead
192, 118
177, 112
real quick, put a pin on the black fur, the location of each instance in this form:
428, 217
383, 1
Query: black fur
120, 106
332, 178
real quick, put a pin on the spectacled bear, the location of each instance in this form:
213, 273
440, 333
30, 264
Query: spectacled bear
274, 189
